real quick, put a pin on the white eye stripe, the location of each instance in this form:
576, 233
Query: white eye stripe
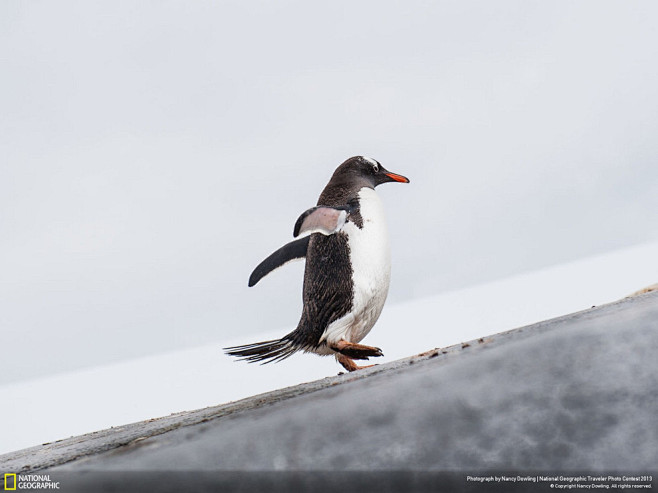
374, 163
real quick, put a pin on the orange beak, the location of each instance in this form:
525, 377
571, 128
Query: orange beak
398, 178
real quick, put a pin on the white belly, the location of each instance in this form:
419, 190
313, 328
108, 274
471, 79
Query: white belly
370, 255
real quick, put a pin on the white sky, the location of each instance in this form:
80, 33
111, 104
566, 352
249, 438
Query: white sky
152, 153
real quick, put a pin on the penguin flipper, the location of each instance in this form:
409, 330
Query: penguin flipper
291, 251
322, 219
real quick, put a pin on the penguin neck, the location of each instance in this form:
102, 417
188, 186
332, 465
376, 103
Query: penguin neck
339, 192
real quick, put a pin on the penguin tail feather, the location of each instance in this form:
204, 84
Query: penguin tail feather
265, 352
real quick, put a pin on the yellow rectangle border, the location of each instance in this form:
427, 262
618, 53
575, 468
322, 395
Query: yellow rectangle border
9, 475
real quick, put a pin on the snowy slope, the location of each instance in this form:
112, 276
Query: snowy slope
68, 404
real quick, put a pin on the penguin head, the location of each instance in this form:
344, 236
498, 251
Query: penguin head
367, 171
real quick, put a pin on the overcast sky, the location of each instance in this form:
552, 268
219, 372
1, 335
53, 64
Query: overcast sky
153, 152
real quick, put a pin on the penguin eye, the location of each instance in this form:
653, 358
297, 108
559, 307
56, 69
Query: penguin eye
372, 162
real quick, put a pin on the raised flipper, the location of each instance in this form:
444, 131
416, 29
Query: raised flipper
291, 251
322, 219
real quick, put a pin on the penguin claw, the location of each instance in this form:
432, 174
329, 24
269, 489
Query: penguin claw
356, 351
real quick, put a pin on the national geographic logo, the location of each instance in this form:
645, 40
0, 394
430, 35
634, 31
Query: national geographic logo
15, 482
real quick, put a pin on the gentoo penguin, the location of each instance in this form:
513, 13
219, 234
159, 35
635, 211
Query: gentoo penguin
348, 269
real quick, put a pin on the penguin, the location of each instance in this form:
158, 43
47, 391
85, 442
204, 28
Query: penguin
344, 240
